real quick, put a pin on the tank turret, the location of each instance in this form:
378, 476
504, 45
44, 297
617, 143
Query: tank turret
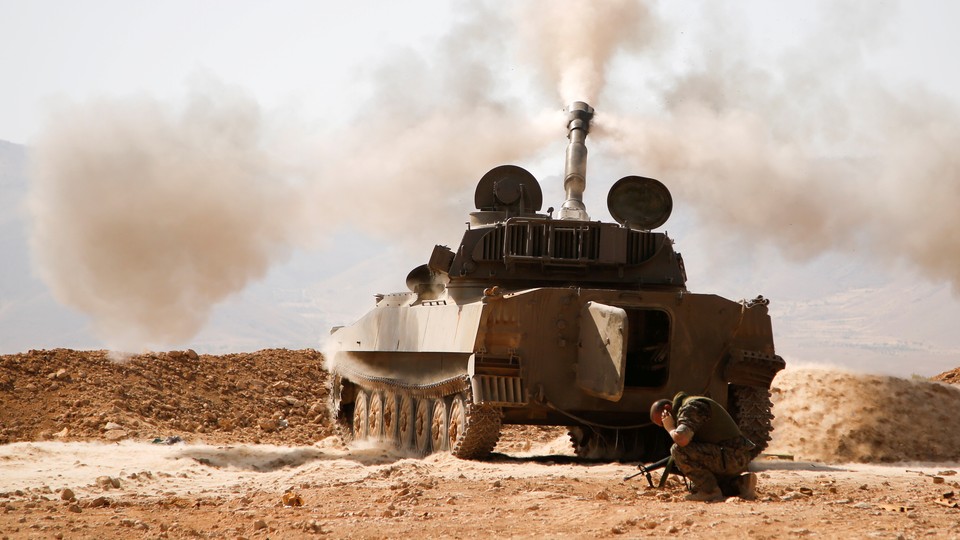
512, 246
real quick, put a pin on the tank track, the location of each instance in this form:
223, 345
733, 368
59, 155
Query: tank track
468, 430
751, 407
481, 433
340, 419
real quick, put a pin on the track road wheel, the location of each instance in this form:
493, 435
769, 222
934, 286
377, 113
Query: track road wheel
375, 417
391, 406
406, 423
438, 425
421, 426
457, 423
473, 430
360, 416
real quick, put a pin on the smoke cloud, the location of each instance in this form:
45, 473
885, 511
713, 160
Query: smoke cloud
813, 155
573, 43
146, 214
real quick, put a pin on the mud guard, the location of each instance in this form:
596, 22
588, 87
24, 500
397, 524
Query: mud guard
602, 354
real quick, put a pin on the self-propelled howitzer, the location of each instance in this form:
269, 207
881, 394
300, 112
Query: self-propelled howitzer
551, 320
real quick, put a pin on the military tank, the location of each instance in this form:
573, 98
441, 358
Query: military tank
551, 320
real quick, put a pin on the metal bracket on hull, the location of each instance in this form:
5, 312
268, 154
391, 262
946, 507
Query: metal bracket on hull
752, 368
496, 380
498, 390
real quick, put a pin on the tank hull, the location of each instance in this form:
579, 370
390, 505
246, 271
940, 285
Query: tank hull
538, 356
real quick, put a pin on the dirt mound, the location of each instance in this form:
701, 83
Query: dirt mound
275, 396
270, 396
834, 416
949, 377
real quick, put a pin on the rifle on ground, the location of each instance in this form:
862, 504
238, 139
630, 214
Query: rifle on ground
666, 464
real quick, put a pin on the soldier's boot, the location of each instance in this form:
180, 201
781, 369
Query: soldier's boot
704, 487
705, 496
747, 485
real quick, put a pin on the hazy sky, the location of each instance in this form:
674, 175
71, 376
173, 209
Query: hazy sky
290, 52
799, 128
306, 55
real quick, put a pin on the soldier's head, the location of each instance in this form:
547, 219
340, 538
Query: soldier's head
656, 410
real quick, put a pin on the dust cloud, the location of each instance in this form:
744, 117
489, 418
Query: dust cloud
831, 415
145, 215
810, 151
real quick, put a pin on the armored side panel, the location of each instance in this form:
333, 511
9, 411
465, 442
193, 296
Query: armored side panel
602, 357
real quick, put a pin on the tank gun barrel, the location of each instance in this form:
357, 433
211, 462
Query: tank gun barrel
579, 115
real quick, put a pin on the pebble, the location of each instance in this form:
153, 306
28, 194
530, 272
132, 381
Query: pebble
67, 494
99, 502
107, 482
269, 424
75, 508
114, 435
259, 524
59, 375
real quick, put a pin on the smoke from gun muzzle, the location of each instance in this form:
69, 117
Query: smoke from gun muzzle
144, 217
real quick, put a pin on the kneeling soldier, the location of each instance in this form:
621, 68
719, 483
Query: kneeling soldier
708, 448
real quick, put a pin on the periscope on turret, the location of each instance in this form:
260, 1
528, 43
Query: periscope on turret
551, 321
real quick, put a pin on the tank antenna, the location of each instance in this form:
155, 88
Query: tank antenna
579, 115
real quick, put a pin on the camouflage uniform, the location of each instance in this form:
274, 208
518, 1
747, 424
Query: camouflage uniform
709, 464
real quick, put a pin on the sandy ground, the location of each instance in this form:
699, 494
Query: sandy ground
206, 491
104, 477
